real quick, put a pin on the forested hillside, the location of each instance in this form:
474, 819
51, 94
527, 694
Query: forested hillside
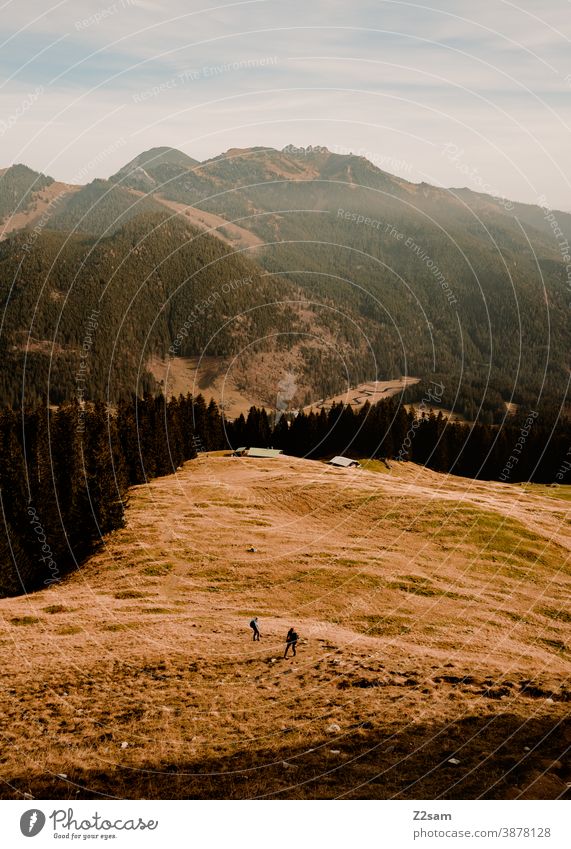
396, 278
469, 289
99, 209
64, 477
82, 316
19, 186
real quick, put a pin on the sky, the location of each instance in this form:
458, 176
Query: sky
452, 93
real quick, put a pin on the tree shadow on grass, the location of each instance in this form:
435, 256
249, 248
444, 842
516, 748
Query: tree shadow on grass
499, 757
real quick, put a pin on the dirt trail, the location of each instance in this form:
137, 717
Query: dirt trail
433, 615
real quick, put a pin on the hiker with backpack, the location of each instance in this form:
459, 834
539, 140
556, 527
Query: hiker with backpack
291, 640
255, 629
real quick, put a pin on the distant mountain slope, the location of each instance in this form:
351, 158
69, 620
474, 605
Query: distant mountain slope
540, 218
154, 168
84, 316
464, 282
18, 187
451, 285
27, 197
100, 208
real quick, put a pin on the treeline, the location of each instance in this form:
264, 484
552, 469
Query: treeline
64, 476
529, 447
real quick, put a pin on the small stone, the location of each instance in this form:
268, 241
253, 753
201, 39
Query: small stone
61, 775
526, 749
333, 728
124, 745
335, 751
549, 701
454, 761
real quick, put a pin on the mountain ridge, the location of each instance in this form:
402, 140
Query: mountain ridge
434, 281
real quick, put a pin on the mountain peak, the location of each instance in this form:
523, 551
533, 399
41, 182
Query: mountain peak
157, 157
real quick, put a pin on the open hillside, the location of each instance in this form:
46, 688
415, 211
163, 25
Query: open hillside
434, 650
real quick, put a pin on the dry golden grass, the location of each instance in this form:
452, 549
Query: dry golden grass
41, 203
211, 376
434, 622
371, 392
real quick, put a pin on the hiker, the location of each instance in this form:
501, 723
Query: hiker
291, 640
255, 629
